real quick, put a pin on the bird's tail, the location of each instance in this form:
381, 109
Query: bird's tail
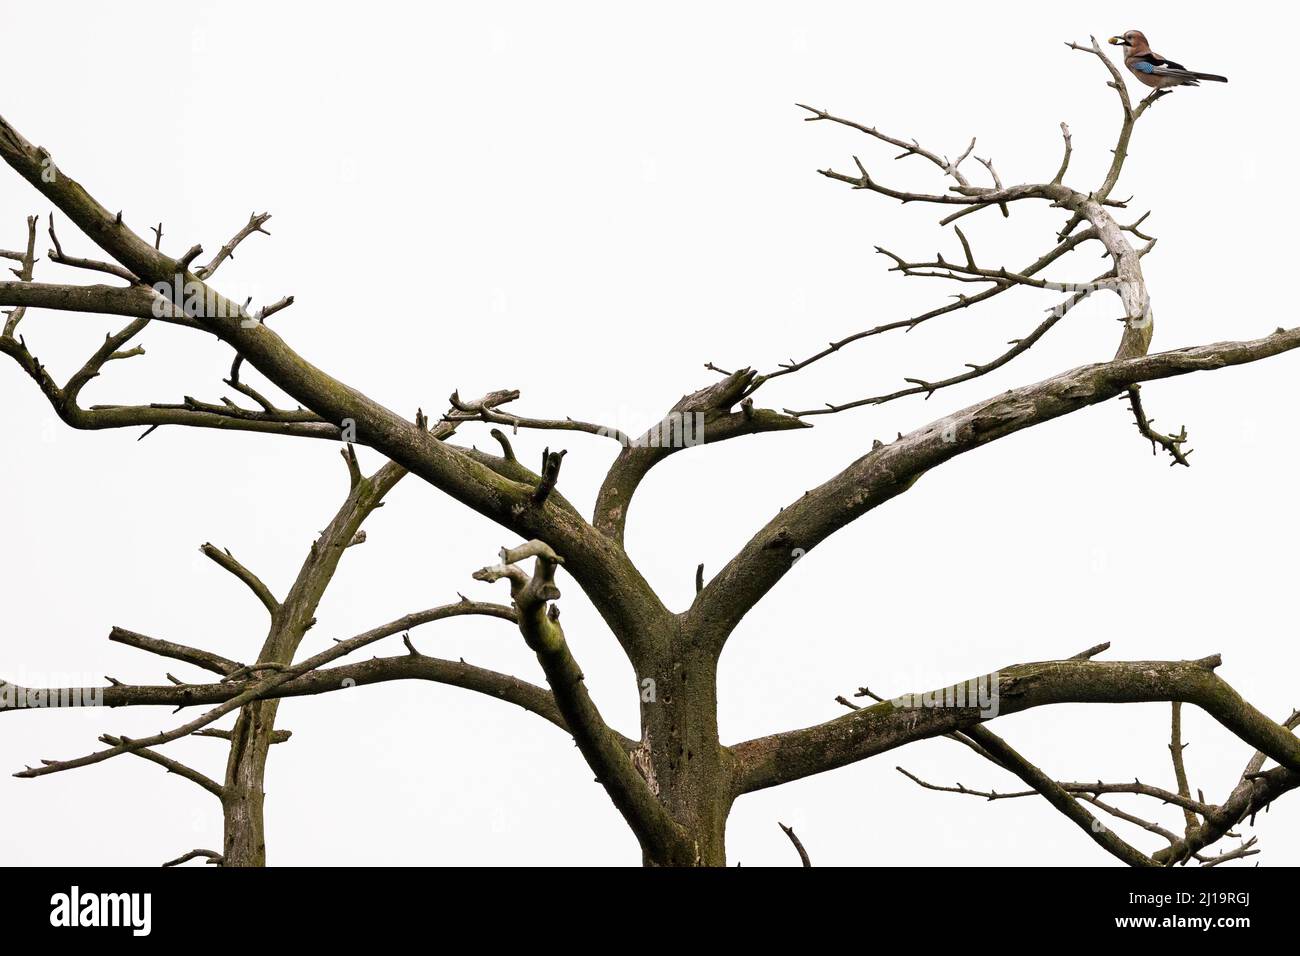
1190, 75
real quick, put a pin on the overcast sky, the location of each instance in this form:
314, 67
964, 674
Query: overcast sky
587, 202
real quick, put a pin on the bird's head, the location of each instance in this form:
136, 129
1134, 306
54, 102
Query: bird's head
1132, 39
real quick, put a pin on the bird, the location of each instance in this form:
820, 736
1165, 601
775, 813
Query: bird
1154, 70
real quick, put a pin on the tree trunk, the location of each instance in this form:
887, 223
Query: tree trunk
681, 756
241, 807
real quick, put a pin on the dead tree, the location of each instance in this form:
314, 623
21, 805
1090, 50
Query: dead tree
676, 782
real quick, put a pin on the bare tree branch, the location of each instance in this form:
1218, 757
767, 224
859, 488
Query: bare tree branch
720, 412
780, 758
590, 558
24, 274
1057, 797
94, 265
244, 693
190, 655
225, 559
171, 766
605, 752
928, 388
889, 470
277, 736
961, 302
487, 410
1073, 787
1173, 444
1131, 115
798, 844
1176, 747
211, 857
255, 223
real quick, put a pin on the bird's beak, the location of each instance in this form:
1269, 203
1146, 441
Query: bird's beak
1117, 41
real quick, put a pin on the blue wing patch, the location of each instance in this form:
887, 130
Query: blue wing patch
1144, 67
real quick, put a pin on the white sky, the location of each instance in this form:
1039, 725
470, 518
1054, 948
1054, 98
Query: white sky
587, 202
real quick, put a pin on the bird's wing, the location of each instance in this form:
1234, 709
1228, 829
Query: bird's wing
1158, 66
